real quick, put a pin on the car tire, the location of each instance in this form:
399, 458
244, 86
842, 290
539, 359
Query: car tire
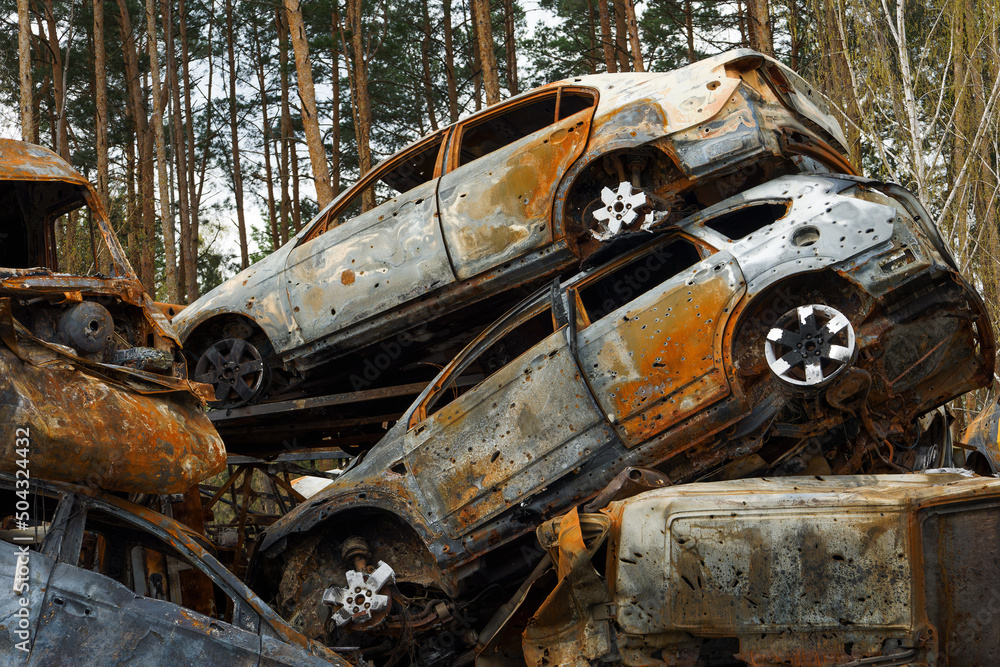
236, 369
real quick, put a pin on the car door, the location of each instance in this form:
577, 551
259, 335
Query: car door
378, 247
527, 424
650, 335
504, 168
89, 618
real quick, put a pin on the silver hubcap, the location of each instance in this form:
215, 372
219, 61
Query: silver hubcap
361, 598
620, 209
810, 345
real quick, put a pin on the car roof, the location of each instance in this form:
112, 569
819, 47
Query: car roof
21, 161
55, 489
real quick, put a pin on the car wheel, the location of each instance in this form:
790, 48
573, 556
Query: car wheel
934, 448
237, 371
810, 345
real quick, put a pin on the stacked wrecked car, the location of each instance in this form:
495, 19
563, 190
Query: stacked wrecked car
680, 443
88, 364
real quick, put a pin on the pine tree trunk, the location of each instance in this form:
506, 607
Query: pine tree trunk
61, 143
191, 248
621, 36
24, 69
741, 20
759, 27
337, 32
425, 57
607, 40
307, 95
131, 202
296, 201
101, 105
794, 37
477, 68
592, 36
633, 37
487, 55
284, 169
163, 187
360, 100
43, 90
241, 224
689, 29
272, 214
449, 63
144, 232
179, 146
509, 41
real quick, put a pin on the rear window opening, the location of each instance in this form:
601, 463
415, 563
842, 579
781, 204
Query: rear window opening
743, 222
495, 132
638, 277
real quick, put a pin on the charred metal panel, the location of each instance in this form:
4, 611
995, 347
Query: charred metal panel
88, 618
523, 428
824, 225
803, 571
378, 260
817, 571
962, 587
735, 563
658, 359
499, 207
32, 588
725, 140
151, 435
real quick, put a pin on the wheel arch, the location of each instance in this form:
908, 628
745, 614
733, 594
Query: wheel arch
212, 326
395, 533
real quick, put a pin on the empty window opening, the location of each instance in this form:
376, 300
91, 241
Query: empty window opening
745, 221
638, 277
391, 179
29, 220
504, 349
483, 137
573, 102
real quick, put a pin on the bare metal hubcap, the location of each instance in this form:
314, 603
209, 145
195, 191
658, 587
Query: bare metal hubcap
810, 345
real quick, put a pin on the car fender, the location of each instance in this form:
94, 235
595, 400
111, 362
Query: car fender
324, 507
262, 298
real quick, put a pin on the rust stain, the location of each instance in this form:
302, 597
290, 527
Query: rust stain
347, 277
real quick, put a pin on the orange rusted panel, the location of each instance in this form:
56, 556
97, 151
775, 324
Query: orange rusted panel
658, 359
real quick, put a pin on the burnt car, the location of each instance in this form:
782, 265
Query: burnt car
802, 327
850, 570
91, 374
465, 222
98, 580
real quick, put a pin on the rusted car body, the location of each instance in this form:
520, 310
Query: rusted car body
663, 357
449, 229
980, 443
108, 582
90, 370
851, 570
